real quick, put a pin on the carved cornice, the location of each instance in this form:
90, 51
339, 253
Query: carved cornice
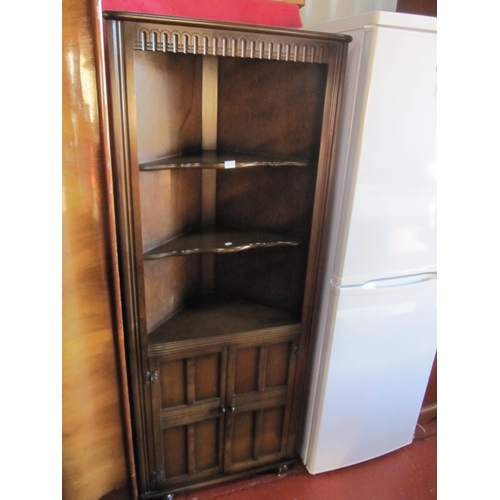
231, 45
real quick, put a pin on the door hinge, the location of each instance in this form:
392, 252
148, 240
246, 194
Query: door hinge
151, 377
157, 479
295, 350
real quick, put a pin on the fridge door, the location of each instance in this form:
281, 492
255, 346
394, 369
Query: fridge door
384, 221
372, 368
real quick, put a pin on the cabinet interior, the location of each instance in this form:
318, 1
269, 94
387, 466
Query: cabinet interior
227, 150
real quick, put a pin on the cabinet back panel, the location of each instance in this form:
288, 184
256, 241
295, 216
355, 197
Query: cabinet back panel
170, 204
272, 277
168, 99
168, 284
278, 200
270, 107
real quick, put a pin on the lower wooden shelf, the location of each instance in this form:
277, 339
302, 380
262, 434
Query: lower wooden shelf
212, 320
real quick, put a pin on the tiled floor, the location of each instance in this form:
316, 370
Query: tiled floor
406, 474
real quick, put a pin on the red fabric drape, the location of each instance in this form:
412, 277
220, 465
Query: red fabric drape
261, 12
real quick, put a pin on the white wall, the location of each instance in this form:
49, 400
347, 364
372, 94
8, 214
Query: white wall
322, 11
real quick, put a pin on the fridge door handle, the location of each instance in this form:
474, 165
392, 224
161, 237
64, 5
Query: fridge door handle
401, 281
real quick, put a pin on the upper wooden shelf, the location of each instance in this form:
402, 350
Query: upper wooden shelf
219, 160
211, 239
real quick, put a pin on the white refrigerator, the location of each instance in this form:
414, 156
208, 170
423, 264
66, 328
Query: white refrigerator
377, 322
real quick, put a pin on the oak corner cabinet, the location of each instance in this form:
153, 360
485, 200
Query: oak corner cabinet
223, 140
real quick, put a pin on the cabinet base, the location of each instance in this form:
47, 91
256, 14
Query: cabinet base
169, 493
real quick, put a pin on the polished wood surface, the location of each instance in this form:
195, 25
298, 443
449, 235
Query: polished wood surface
94, 453
214, 413
269, 199
220, 160
188, 401
283, 270
212, 316
213, 239
170, 204
279, 107
169, 284
169, 113
259, 387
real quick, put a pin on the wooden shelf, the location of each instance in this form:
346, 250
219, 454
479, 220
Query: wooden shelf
211, 317
219, 160
211, 239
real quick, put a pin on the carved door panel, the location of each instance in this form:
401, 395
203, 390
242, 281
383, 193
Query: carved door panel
260, 380
188, 404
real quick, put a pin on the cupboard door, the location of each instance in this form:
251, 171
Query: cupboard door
260, 380
188, 403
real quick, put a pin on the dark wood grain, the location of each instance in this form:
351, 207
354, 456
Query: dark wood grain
251, 337
255, 400
246, 370
175, 446
257, 425
261, 382
169, 112
168, 285
173, 383
220, 160
190, 413
170, 204
191, 449
225, 27
207, 445
257, 435
272, 430
419, 7
190, 425
190, 367
207, 376
213, 239
274, 200
279, 107
211, 316
201, 483
241, 438
282, 269
276, 370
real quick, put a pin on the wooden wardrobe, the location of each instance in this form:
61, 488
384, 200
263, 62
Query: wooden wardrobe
223, 147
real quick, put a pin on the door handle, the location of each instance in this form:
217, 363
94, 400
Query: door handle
401, 281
